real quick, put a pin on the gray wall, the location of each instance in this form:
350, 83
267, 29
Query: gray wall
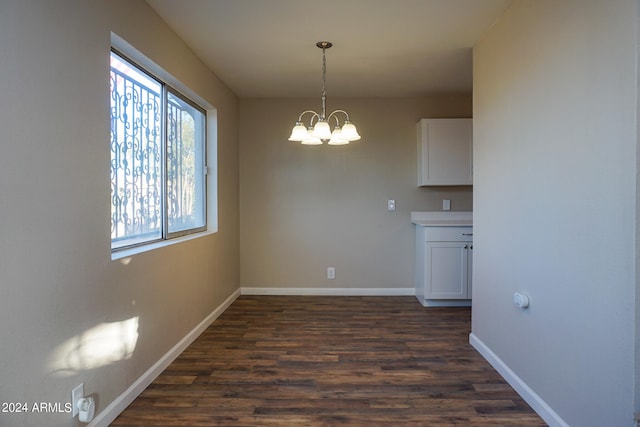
555, 161
59, 285
555, 101
304, 208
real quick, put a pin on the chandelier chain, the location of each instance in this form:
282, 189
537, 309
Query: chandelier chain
324, 83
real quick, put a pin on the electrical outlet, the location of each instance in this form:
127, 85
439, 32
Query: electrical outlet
446, 205
76, 394
331, 273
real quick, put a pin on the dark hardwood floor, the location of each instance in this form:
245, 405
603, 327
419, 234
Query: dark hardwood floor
326, 361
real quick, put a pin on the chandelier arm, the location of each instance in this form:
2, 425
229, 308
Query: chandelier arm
314, 114
334, 114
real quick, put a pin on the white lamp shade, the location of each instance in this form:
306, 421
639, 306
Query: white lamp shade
337, 138
309, 139
349, 132
322, 130
299, 132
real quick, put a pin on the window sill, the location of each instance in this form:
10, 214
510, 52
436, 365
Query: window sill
127, 253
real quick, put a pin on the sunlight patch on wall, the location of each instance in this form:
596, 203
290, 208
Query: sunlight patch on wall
102, 345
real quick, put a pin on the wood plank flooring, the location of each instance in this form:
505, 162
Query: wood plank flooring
329, 361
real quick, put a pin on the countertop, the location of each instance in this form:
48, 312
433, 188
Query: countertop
442, 218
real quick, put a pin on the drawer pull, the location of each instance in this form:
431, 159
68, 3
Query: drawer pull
467, 234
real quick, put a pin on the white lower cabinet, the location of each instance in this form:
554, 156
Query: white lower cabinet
444, 256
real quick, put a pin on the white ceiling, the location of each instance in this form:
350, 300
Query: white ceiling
381, 48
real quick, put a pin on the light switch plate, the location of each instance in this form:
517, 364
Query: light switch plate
391, 205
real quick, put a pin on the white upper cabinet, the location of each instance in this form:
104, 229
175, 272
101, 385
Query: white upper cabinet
445, 152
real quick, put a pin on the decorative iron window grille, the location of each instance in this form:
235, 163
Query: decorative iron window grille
158, 152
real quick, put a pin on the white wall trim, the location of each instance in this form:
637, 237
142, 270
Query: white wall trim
446, 303
530, 396
329, 291
120, 403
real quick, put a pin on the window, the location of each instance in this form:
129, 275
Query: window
158, 159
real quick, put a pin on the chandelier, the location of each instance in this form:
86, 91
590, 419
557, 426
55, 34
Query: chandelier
319, 129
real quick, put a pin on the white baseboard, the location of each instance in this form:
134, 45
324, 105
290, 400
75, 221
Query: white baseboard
535, 401
330, 291
111, 412
446, 303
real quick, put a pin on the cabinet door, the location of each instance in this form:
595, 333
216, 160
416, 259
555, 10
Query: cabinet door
445, 152
447, 270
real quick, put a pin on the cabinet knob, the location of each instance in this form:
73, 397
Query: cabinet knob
466, 246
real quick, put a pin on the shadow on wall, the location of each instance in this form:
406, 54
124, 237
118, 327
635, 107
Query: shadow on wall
102, 345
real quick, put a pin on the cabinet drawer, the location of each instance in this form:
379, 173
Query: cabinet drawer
449, 234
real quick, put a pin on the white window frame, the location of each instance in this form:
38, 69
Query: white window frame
123, 48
